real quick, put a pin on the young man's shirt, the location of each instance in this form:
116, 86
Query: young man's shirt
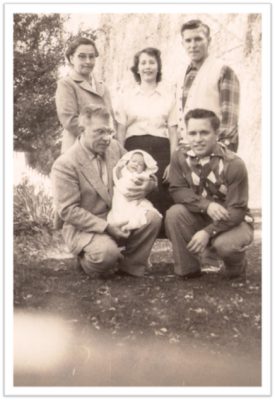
220, 177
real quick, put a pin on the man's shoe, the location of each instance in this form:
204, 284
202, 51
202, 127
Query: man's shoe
233, 273
192, 275
94, 275
210, 268
121, 272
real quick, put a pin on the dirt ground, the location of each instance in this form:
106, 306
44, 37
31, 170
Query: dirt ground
153, 331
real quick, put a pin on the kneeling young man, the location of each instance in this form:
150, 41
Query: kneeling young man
209, 186
82, 180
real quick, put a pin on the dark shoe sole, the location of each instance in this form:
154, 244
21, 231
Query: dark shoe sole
192, 275
121, 272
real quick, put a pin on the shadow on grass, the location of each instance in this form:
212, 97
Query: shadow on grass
157, 330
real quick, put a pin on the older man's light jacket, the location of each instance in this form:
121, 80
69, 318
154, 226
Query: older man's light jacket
81, 198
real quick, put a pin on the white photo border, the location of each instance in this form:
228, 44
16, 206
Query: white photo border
265, 9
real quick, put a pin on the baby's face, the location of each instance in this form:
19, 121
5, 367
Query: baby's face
136, 163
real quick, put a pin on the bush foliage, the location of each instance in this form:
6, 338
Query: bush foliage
38, 52
33, 208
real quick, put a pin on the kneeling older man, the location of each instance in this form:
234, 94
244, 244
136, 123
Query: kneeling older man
82, 182
209, 186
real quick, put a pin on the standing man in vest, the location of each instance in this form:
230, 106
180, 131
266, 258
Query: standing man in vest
207, 83
209, 186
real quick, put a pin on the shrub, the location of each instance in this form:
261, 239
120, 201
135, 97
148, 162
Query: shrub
38, 53
33, 208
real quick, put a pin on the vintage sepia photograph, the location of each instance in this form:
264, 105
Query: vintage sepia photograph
137, 151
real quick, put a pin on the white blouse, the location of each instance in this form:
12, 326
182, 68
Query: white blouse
147, 113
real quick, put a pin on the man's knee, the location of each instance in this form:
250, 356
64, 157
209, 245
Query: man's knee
102, 259
234, 241
153, 219
174, 212
223, 247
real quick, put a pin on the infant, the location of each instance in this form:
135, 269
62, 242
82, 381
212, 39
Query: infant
132, 170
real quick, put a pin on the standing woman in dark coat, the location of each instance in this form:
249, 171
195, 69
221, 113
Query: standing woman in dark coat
146, 120
79, 88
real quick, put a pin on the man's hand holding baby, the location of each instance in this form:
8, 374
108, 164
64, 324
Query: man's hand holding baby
118, 231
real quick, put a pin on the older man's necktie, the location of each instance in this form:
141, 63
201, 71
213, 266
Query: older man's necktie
102, 170
99, 166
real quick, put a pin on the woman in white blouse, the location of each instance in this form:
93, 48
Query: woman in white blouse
146, 120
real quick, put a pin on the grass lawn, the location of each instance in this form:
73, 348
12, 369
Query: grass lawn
122, 331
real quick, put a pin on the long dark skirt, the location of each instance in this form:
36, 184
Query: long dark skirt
159, 149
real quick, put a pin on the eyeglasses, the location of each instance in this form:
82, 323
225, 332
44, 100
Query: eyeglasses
83, 57
105, 132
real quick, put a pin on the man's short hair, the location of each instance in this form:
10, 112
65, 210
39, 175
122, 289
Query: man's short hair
90, 111
199, 113
195, 24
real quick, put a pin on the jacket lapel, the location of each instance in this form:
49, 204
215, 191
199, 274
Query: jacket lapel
86, 85
98, 90
111, 161
91, 174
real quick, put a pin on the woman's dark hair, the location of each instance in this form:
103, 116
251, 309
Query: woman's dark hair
151, 51
199, 113
76, 43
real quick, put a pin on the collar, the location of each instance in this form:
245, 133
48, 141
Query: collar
76, 76
192, 66
158, 89
79, 78
89, 153
94, 86
92, 83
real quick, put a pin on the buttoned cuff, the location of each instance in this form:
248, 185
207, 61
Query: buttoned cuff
211, 230
203, 205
